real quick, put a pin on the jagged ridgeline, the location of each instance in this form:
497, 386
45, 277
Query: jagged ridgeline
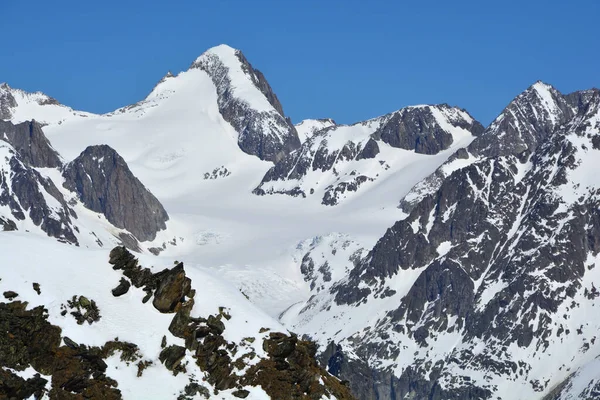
488, 284
426, 256
199, 349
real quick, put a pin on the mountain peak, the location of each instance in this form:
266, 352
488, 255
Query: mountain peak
221, 50
248, 103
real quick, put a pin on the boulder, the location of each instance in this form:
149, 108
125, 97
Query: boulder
171, 356
122, 288
171, 288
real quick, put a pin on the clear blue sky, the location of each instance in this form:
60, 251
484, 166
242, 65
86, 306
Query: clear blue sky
348, 60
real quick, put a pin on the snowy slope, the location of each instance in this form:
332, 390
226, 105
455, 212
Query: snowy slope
309, 127
17, 106
178, 143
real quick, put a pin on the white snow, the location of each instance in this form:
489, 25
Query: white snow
243, 88
31, 106
308, 127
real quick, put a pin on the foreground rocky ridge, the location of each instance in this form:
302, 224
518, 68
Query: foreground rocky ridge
283, 365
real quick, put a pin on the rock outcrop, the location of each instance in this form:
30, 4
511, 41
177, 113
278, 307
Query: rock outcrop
31, 144
29, 340
289, 371
30, 196
105, 184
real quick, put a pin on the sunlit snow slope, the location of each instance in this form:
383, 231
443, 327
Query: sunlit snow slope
177, 142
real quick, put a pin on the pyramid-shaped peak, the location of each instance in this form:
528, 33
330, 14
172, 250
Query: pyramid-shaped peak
225, 53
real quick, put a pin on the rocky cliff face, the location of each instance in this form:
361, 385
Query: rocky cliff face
248, 103
25, 195
343, 151
490, 275
7, 102
104, 184
30, 142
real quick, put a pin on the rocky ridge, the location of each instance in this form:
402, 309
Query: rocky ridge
248, 103
499, 245
347, 156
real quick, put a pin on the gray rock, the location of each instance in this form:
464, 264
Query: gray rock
25, 191
122, 288
171, 289
7, 102
30, 142
417, 129
171, 356
7, 224
104, 184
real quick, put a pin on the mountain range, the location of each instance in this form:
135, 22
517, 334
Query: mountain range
415, 255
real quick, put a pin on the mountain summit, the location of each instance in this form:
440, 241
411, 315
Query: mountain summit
248, 103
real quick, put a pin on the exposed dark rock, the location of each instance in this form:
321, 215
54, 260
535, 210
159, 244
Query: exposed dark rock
499, 224
194, 389
417, 129
122, 288
7, 224
172, 287
215, 324
104, 184
14, 387
31, 144
84, 310
290, 372
413, 128
10, 294
7, 102
171, 356
36, 287
241, 393
25, 192
31, 341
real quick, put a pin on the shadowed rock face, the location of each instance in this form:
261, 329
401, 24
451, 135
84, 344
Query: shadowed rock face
29, 195
105, 184
268, 135
417, 129
30, 142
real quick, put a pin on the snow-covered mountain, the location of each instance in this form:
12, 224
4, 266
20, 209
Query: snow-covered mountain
486, 288
340, 159
427, 256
